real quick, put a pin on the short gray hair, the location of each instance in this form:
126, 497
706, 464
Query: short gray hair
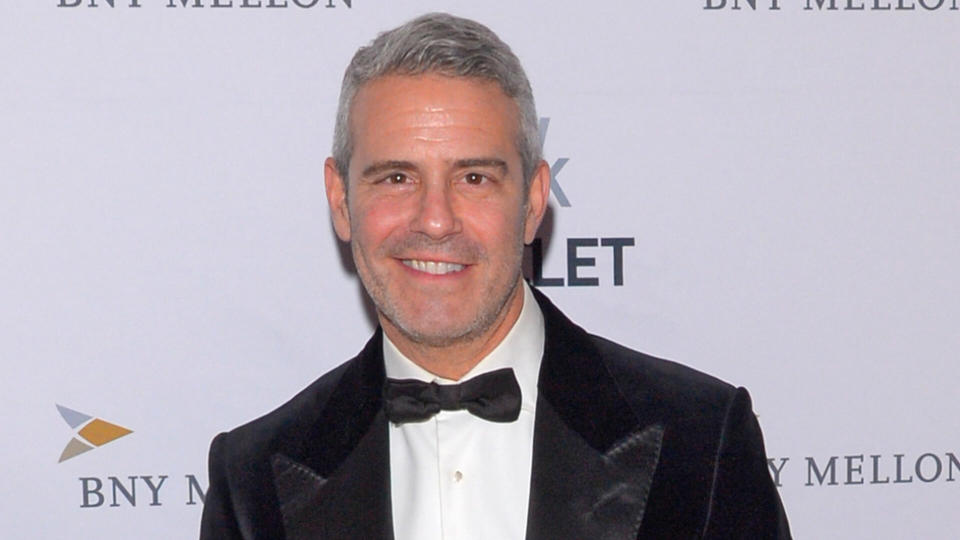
447, 45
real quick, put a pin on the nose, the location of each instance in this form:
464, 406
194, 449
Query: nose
436, 216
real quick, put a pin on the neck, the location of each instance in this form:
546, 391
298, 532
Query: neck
454, 360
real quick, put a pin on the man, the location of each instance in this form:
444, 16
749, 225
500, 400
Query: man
437, 181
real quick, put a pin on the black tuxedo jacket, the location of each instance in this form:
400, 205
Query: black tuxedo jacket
625, 446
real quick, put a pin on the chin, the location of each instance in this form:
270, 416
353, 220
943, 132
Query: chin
439, 328
441, 334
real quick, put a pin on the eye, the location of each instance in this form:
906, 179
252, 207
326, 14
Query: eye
396, 178
474, 179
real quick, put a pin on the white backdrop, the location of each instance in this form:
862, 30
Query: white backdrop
788, 178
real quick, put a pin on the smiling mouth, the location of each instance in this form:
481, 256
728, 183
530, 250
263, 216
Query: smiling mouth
433, 267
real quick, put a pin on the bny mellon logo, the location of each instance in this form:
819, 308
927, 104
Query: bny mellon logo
91, 432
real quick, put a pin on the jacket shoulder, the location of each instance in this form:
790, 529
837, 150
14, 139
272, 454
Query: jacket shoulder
268, 431
664, 384
240, 499
315, 428
712, 478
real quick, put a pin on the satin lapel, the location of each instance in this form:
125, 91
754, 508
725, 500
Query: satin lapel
353, 503
333, 480
578, 492
593, 459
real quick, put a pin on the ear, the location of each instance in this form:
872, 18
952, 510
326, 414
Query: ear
337, 199
537, 197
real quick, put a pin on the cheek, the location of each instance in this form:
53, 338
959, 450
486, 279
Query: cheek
501, 228
372, 222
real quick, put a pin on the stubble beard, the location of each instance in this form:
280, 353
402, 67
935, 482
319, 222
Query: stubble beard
493, 300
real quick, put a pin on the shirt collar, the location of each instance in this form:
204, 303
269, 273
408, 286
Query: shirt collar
521, 349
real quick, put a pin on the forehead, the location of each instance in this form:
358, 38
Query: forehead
432, 113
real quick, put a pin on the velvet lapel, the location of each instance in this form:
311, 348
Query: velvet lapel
593, 460
333, 480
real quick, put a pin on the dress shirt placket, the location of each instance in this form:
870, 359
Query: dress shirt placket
453, 444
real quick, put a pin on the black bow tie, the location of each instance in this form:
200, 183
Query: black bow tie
493, 396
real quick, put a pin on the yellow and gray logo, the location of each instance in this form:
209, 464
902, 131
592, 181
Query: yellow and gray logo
90, 432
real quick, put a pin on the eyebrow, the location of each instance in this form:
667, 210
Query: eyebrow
383, 166
482, 162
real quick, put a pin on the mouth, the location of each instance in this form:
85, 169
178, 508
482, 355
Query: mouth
437, 268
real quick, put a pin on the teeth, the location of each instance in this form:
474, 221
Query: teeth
433, 267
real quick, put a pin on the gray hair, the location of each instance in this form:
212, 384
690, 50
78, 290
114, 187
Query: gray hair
447, 45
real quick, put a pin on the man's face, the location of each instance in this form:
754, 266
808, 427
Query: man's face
437, 212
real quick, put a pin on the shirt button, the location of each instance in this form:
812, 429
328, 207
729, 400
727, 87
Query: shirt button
458, 476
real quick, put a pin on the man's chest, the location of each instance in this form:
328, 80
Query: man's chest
457, 477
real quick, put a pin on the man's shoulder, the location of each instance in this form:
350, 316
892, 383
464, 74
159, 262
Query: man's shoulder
655, 388
667, 375
711, 473
271, 430
668, 390
315, 413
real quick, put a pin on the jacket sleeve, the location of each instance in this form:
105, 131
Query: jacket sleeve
744, 502
219, 521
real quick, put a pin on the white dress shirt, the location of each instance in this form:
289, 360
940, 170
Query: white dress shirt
459, 477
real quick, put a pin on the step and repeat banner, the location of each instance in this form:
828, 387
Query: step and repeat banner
764, 190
